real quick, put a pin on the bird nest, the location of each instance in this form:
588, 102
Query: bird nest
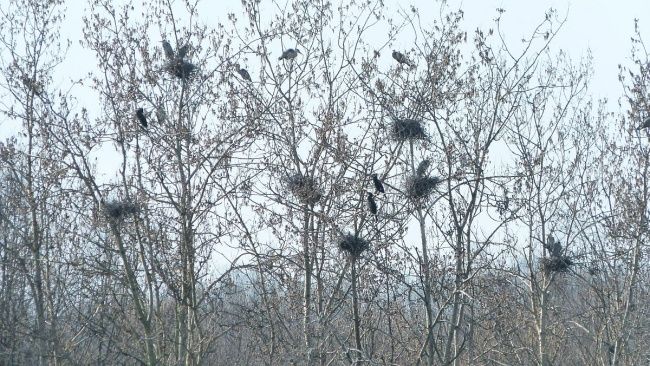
353, 244
408, 129
118, 210
419, 187
556, 264
181, 69
304, 188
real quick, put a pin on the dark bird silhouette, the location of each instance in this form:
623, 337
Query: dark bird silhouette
289, 54
379, 187
244, 74
646, 124
399, 57
553, 246
372, 205
422, 167
169, 51
182, 52
141, 117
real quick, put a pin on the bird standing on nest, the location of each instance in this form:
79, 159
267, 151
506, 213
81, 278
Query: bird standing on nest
553, 246
289, 54
422, 167
182, 52
399, 57
169, 51
379, 187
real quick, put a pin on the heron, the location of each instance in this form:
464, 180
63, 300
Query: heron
244, 74
141, 117
553, 246
182, 52
372, 205
289, 54
422, 167
169, 51
378, 185
399, 57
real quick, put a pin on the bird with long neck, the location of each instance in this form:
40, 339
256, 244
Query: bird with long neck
243, 73
169, 51
422, 167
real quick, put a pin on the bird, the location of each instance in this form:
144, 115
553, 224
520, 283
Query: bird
289, 54
141, 117
399, 57
553, 246
169, 51
372, 205
378, 185
646, 124
182, 52
556, 251
422, 167
244, 74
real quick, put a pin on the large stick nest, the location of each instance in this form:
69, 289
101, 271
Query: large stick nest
420, 187
304, 188
408, 129
556, 264
181, 69
118, 210
353, 244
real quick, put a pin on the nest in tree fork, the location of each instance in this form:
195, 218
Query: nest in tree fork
556, 264
304, 188
419, 187
181, 69
408, 129
353, 244
118, 210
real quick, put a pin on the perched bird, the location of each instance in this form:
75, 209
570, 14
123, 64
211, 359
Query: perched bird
169, 51
553, 246
378, 185
399, 57
372, 205
182, 52
646, 124
289, 54
244, 74
556, 251
422, 167
141, 117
